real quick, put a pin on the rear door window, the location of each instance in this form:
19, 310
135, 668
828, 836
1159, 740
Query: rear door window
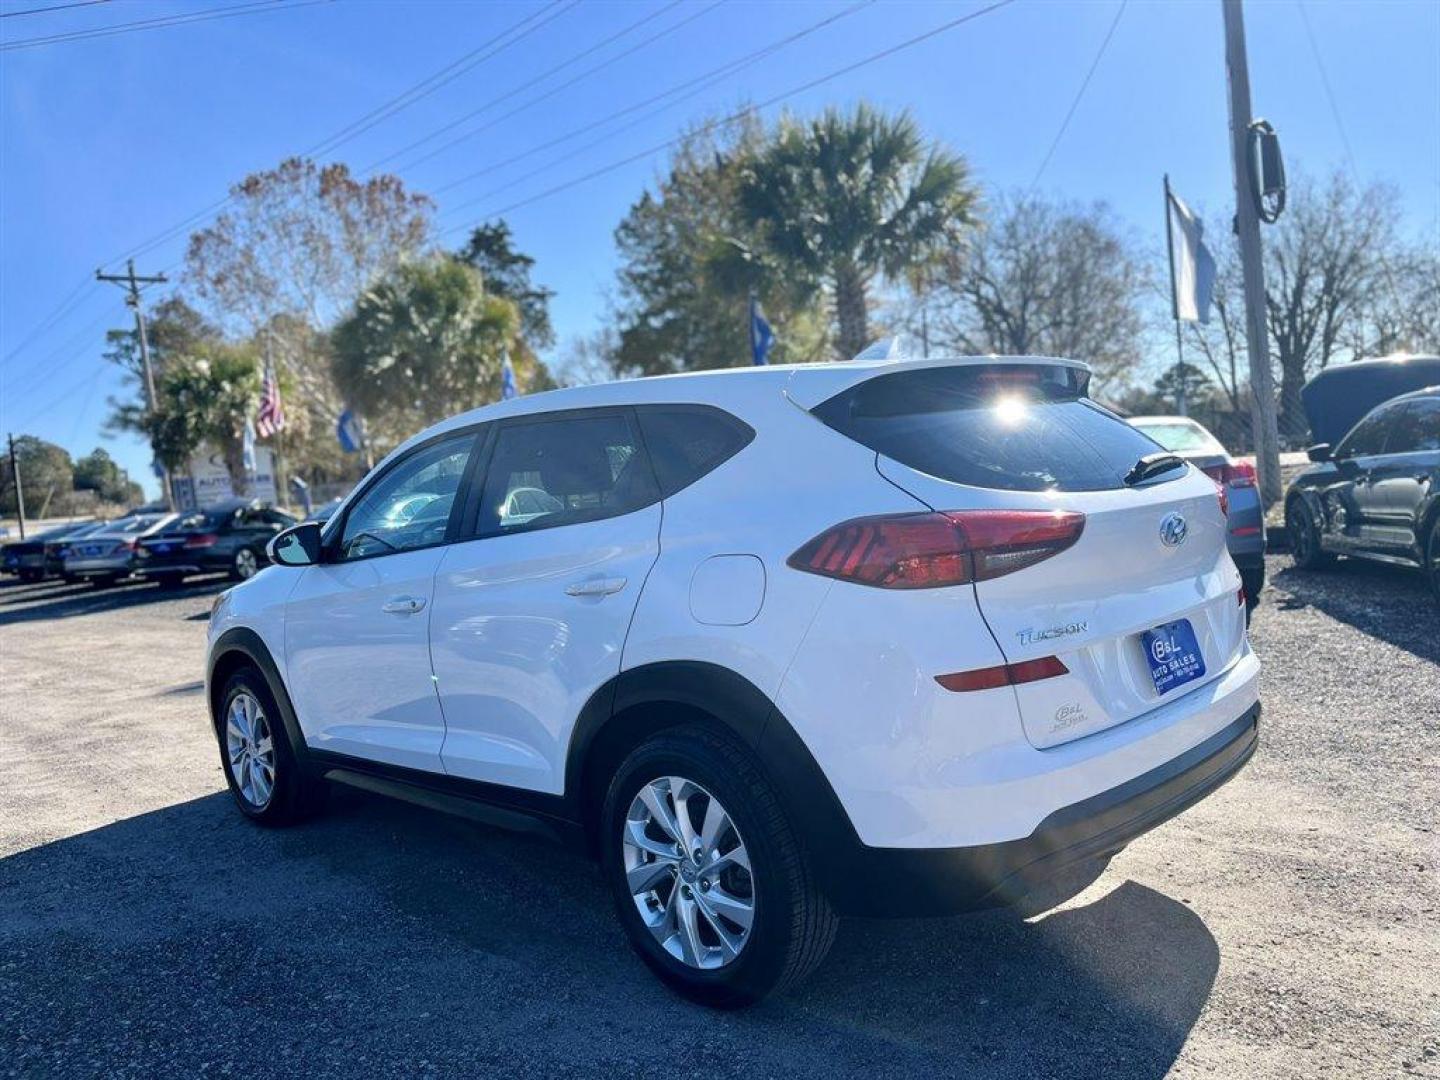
1417, 429
1369, 435
549, 472
687, 441
1015, 427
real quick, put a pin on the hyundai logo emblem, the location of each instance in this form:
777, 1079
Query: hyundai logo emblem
1172, 530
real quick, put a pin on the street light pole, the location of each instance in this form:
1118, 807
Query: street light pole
1247, 228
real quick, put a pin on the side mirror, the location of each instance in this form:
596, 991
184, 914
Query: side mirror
298, 545
1319, 452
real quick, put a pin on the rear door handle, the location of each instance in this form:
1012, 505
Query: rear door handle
403, 605
595, 586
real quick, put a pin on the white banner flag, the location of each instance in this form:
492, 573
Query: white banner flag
1192, 266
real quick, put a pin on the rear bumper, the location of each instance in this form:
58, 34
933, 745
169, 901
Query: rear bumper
160, 569
936, 881
102, 567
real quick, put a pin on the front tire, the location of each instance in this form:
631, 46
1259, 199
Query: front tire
709, 879
267, 781
1305, 537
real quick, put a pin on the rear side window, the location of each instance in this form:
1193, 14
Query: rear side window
1418, 428
1369, 435
1017, 427
564, 471
687, 441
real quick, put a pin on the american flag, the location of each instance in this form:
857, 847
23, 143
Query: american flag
271, 418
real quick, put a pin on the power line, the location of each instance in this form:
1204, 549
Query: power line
59, 312
445, 75
802, 88
1079, 94
699, 84
47, 10
401, 101
1345, 143
207, 15
389, 108
695, 86
547, 94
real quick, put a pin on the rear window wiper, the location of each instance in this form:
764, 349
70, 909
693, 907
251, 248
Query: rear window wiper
1152, 465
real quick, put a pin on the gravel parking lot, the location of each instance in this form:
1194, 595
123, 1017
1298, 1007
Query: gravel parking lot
1287, 926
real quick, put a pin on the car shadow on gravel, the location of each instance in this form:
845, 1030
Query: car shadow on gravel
393, 940
59, 600
1387, 602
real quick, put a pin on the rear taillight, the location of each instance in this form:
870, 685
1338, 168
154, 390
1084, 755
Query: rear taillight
1224, 500
926, 551
1238, 474
201, 540
1047, 667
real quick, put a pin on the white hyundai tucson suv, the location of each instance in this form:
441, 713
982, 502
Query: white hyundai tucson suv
776, 645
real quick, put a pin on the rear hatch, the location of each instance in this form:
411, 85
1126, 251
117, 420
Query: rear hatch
1138, 600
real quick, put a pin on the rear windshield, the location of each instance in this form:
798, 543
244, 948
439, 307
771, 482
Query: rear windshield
1018, 427
1182, 436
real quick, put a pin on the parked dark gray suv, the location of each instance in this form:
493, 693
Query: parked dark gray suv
1376, 494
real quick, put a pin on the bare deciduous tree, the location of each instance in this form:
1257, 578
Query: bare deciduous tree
1324, 269
1047, 279
303, 240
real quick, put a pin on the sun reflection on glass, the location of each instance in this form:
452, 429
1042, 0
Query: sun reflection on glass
1009, 409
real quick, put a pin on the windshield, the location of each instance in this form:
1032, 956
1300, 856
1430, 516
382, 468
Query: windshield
1017, 427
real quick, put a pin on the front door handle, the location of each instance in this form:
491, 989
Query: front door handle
595, 586
403, 605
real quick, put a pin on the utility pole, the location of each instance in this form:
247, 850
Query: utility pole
19, 491
132, 283
1247, 228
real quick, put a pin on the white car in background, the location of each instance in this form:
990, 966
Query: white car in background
781, 644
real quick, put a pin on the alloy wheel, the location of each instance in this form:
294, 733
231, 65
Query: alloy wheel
1298, 526
246, 564
250, 750
688, 871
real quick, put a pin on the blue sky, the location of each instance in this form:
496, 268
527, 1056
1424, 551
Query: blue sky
106, 142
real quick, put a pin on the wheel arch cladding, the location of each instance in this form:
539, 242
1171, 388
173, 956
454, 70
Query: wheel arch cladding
642, 701
239, 648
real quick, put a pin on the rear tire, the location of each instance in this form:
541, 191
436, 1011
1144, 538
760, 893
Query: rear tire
1305, 537
245, 564
790, 923
270, 785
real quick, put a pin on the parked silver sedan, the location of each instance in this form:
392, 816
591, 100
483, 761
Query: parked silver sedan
106, 556
1246, 539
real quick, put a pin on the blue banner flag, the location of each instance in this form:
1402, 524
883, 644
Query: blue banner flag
347, 430
762, 338
507, 378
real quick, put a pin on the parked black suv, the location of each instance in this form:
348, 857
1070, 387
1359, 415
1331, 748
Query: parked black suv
1377, 493
230, 537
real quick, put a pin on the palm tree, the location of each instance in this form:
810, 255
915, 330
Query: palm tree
848, 196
